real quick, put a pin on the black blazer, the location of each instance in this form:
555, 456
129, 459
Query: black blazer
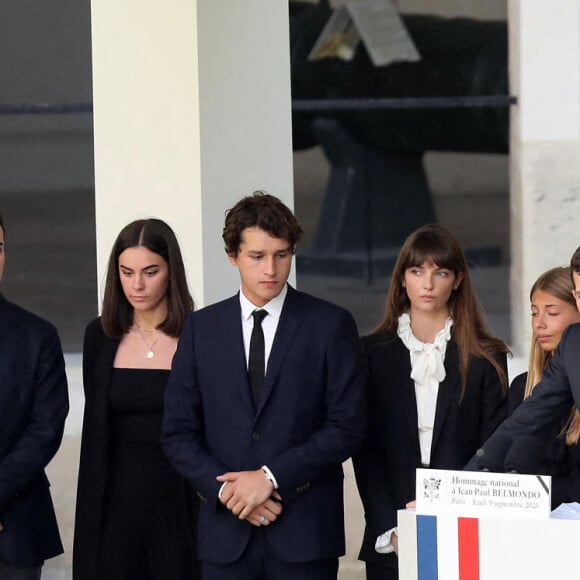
33, 408
385, 468
311, 418
98, 356
551, 455
99, 352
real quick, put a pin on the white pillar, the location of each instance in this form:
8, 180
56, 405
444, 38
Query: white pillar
191, 112
545, 146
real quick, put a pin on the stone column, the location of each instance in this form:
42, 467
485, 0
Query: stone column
191, 112
545, 146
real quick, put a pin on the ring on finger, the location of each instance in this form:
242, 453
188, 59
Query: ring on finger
262, 519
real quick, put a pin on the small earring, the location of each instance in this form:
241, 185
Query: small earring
403, 285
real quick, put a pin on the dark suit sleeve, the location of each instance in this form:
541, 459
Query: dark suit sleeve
182, 434
343, 429
379, 507
552, 397
555, 457
41, 435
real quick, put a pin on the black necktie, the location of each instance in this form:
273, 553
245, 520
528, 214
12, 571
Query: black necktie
256, 361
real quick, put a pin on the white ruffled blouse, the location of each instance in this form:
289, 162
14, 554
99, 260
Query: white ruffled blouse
427, 371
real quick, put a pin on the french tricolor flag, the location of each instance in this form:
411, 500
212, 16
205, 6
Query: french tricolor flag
447, 548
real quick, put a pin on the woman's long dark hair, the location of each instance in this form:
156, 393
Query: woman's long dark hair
437, 245
159, 238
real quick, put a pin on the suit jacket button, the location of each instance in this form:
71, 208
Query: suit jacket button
255, 436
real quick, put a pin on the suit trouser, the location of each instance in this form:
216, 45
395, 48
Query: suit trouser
259, 563
9, 572
376, 572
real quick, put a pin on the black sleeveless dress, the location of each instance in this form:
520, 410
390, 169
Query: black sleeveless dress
149, 519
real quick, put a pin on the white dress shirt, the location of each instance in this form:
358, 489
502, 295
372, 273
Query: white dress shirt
269, 327
269, 324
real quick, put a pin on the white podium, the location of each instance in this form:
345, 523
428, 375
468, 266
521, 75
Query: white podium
502, 549
485, 526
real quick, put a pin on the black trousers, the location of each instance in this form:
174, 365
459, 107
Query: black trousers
9, 572
376, 572
259, 563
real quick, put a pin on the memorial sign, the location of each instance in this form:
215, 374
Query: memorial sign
477, 494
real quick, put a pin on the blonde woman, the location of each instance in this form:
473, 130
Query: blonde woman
553, 309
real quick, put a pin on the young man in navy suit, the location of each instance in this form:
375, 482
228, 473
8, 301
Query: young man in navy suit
550, 400
33, 407
262, 408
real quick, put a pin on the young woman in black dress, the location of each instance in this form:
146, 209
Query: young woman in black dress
135, 516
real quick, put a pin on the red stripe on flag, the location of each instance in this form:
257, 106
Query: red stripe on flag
468, 529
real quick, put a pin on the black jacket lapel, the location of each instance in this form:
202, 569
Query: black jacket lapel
288, 326
449, 390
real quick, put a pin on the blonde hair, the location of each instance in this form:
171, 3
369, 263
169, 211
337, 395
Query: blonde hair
558, 283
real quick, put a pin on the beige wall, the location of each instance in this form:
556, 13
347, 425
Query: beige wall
545, 146
191, 111
245, 118
146, 122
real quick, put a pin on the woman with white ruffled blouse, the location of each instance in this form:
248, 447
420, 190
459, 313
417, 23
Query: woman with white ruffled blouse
437, 385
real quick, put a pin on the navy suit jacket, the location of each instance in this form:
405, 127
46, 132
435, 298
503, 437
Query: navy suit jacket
33, 408
311, 418
550, 401
551, 455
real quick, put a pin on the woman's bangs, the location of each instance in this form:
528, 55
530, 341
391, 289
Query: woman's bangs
431, 254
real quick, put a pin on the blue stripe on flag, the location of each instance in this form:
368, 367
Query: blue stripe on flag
427, 548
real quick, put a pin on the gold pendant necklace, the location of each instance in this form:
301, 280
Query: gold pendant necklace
148, 330
150, 354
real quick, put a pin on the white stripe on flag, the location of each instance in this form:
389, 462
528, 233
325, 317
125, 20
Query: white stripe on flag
447, 547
